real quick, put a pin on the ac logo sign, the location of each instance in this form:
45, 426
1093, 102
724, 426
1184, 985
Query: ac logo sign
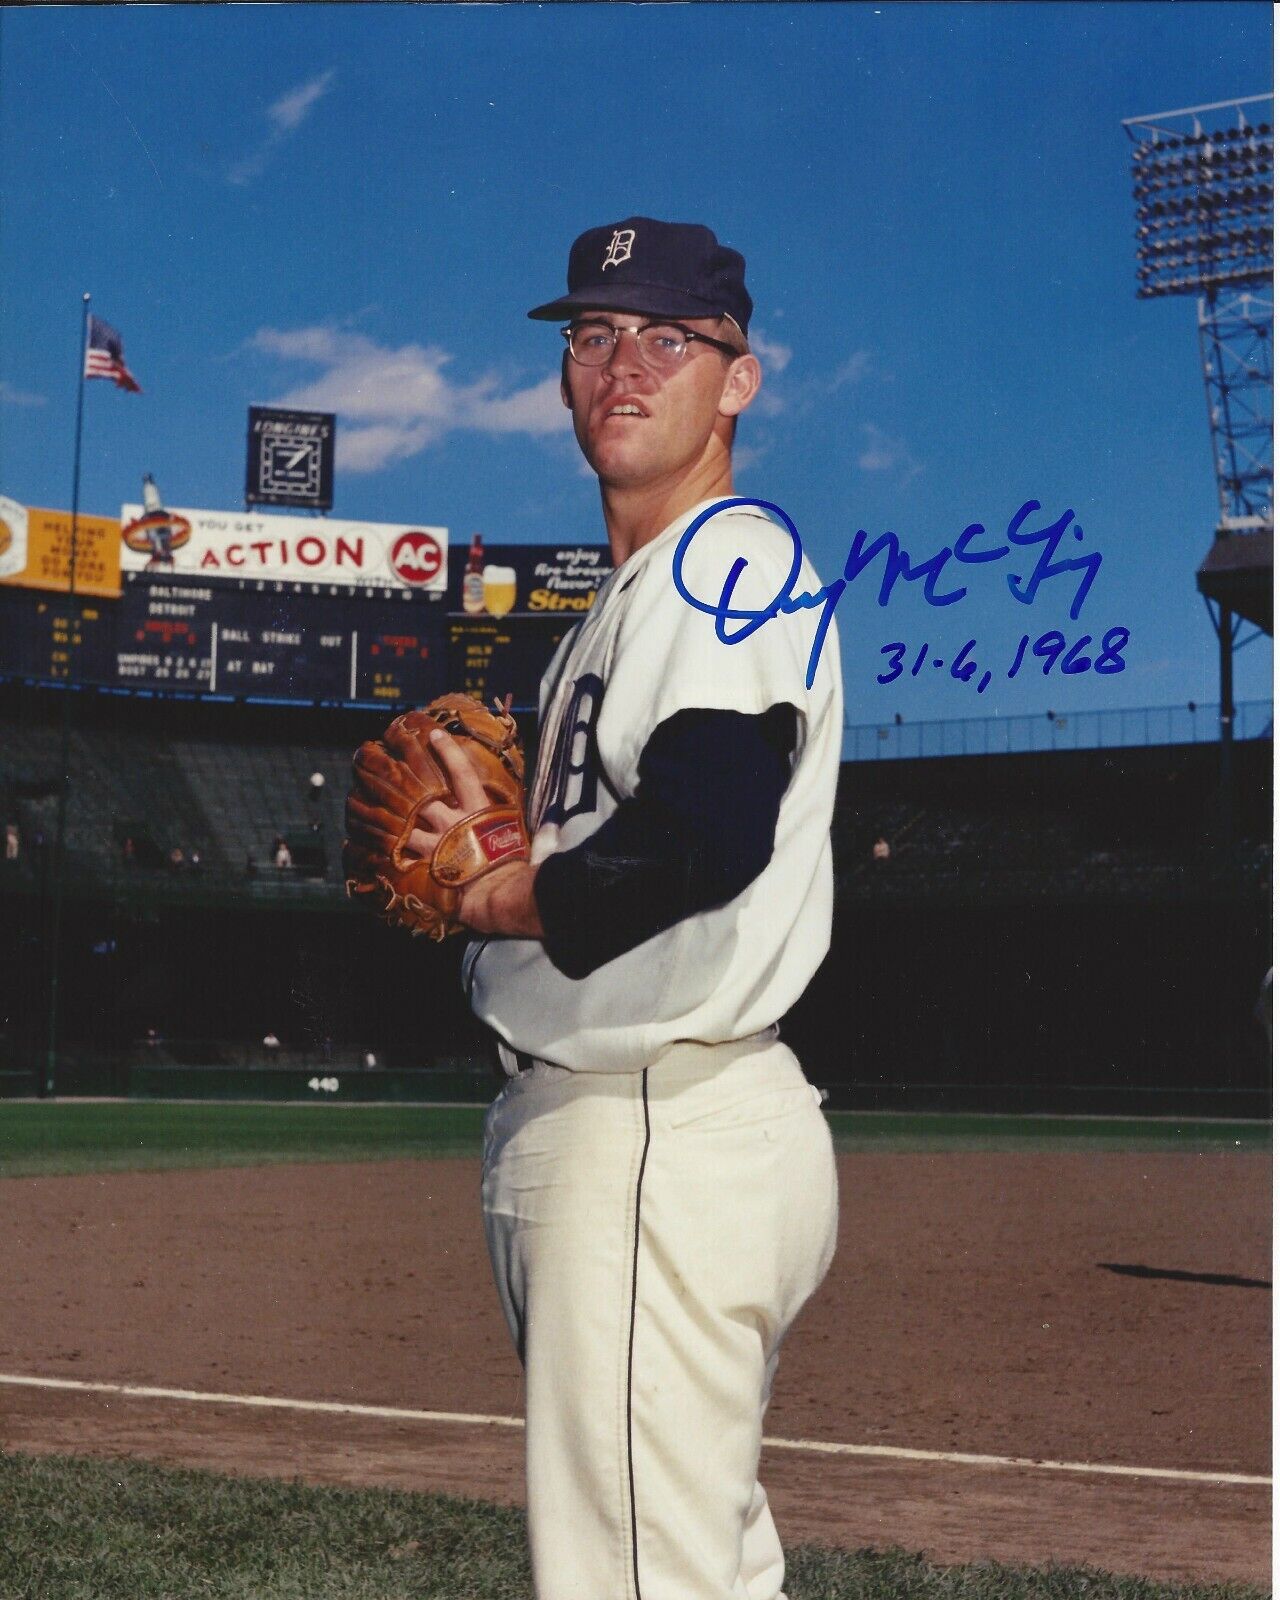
416, 557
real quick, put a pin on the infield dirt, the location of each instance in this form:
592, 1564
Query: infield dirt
1100, 1308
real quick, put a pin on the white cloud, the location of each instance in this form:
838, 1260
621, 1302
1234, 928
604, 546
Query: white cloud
301, 344
10, 396
537, 410
394, 402
290, 109
251, 166
851, 371
244, 171
773, 354
285, 116
372, 448
800, 394
773, 357
882, 453
363, 379
747, 456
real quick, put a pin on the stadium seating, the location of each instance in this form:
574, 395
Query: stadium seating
220, 781
225, 800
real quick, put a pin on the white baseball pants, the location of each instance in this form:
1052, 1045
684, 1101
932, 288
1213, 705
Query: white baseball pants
653, 1236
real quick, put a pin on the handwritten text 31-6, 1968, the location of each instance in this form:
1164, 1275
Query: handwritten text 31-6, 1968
1052, 649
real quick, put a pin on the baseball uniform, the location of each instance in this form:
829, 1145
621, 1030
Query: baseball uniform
659, 1183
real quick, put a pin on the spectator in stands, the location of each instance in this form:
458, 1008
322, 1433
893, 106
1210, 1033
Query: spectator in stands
880, 849
195, 864
12, 841
271, 1045
283, 855
370, 1061
176, 858
128, 851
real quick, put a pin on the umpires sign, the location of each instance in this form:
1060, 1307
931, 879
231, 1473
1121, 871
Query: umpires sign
290, 458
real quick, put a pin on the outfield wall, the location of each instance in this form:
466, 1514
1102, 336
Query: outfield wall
1053, 932
1071, 1007
335, 1084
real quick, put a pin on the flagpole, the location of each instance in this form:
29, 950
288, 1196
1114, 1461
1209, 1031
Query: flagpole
64, 764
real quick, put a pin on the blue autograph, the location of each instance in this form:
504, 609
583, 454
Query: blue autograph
898, 565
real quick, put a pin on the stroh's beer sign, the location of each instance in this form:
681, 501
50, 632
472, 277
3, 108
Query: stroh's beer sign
306, 550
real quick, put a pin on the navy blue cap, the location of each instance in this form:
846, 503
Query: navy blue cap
658, 269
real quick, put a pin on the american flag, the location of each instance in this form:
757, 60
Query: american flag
104, 357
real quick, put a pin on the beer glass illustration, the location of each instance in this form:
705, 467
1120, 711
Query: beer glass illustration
499, 590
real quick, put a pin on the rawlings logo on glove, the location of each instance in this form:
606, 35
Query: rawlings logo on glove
394, 780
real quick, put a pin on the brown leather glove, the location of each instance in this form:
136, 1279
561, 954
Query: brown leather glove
394, 778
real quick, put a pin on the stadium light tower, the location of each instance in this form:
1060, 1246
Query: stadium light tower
1203, 181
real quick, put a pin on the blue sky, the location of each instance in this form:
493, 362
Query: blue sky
352, 207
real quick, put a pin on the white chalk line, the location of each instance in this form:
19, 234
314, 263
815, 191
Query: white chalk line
136, 1391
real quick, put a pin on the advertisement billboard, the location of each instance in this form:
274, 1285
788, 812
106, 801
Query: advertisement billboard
312, 555
509, 606
35, 550
171, 632
290, 458
529, 579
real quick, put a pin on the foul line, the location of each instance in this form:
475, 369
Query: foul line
137, 1391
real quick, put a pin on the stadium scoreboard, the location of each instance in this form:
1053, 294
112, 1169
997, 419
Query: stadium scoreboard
248, 638
241, 644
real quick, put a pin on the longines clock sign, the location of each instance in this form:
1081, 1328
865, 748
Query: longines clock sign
290, 458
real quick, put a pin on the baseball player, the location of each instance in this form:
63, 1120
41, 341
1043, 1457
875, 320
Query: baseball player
659, 1185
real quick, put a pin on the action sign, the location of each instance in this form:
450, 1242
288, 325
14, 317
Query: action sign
320, 554
290, 458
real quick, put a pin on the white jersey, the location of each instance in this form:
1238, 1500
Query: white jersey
641, 654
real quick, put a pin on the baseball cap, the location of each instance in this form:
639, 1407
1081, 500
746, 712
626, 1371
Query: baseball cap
658, 269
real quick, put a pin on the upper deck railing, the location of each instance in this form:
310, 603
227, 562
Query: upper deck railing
1066, 730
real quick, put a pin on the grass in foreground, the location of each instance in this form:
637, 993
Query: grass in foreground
127, 1530
47, 1137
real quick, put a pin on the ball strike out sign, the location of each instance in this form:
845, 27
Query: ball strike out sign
289, 460
244, 546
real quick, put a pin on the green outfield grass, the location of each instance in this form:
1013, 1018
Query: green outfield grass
45, 1137
963, 1130
126, 1135
128, 1530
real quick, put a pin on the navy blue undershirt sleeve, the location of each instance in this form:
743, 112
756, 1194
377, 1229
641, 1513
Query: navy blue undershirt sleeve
699, 828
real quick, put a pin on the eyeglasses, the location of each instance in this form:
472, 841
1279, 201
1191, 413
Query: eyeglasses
662, 344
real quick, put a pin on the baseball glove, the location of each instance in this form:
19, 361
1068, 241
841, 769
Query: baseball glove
394, 778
